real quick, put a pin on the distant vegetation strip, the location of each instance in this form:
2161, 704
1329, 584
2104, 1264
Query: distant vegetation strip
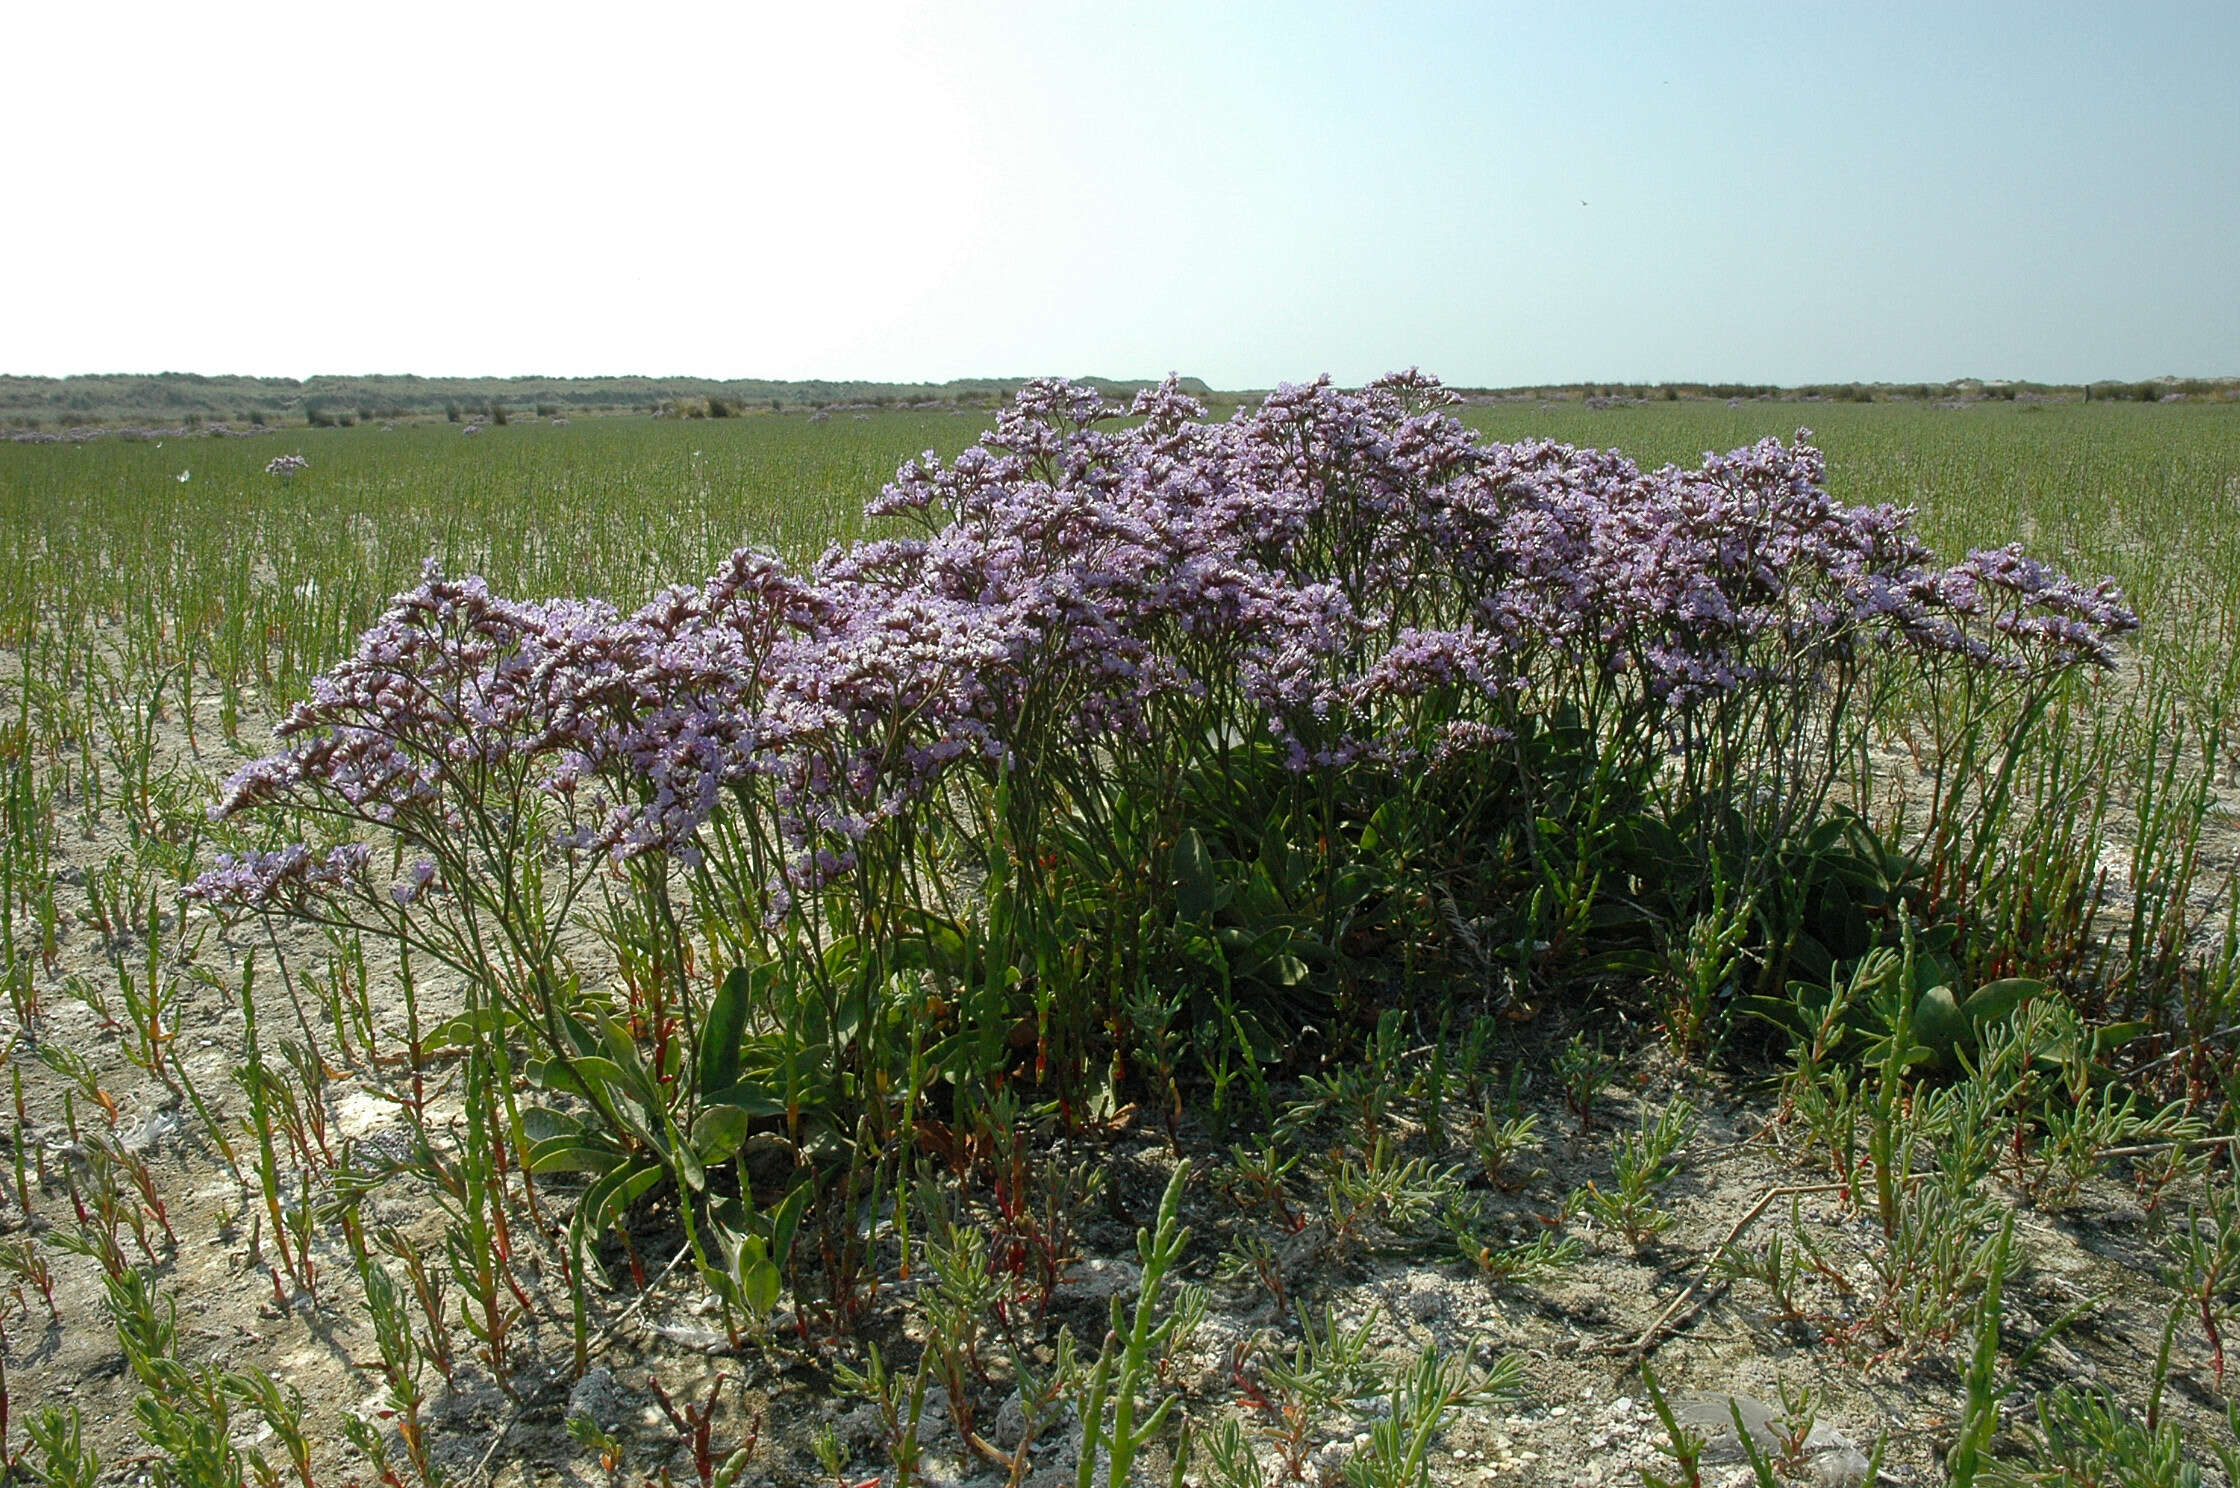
186, 399
174, 397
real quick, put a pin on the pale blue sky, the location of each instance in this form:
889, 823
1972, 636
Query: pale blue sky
1500, 194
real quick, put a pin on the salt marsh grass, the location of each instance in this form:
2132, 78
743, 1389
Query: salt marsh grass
261, 581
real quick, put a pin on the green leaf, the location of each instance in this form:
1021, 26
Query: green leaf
1811, 959
1653, 839
1257, 897
787, 1220
2114, 1036
940, 946
1203, 950
750, 1096
1994, 1000
685, 1160
1938, 1023
720, 1132
579, 1075
1617, 914
1781, 1013
1287, 866
758, 1277
604, 1202
542, 1123
573, 1155
467, 1030
723, 1031
581, 1035
1379, 828
1193, 876
1263, 1045
1353, 886
1826, 837
621, 1048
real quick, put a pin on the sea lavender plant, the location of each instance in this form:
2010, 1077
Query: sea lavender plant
931, 789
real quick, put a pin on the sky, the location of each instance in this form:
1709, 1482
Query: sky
1248, 193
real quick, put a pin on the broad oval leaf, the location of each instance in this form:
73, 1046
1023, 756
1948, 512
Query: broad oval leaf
720, 1132
1938, 1023
1994, 1000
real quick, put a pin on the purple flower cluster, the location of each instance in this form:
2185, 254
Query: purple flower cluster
285, 465
276, 879
1353, 575
2037, 619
